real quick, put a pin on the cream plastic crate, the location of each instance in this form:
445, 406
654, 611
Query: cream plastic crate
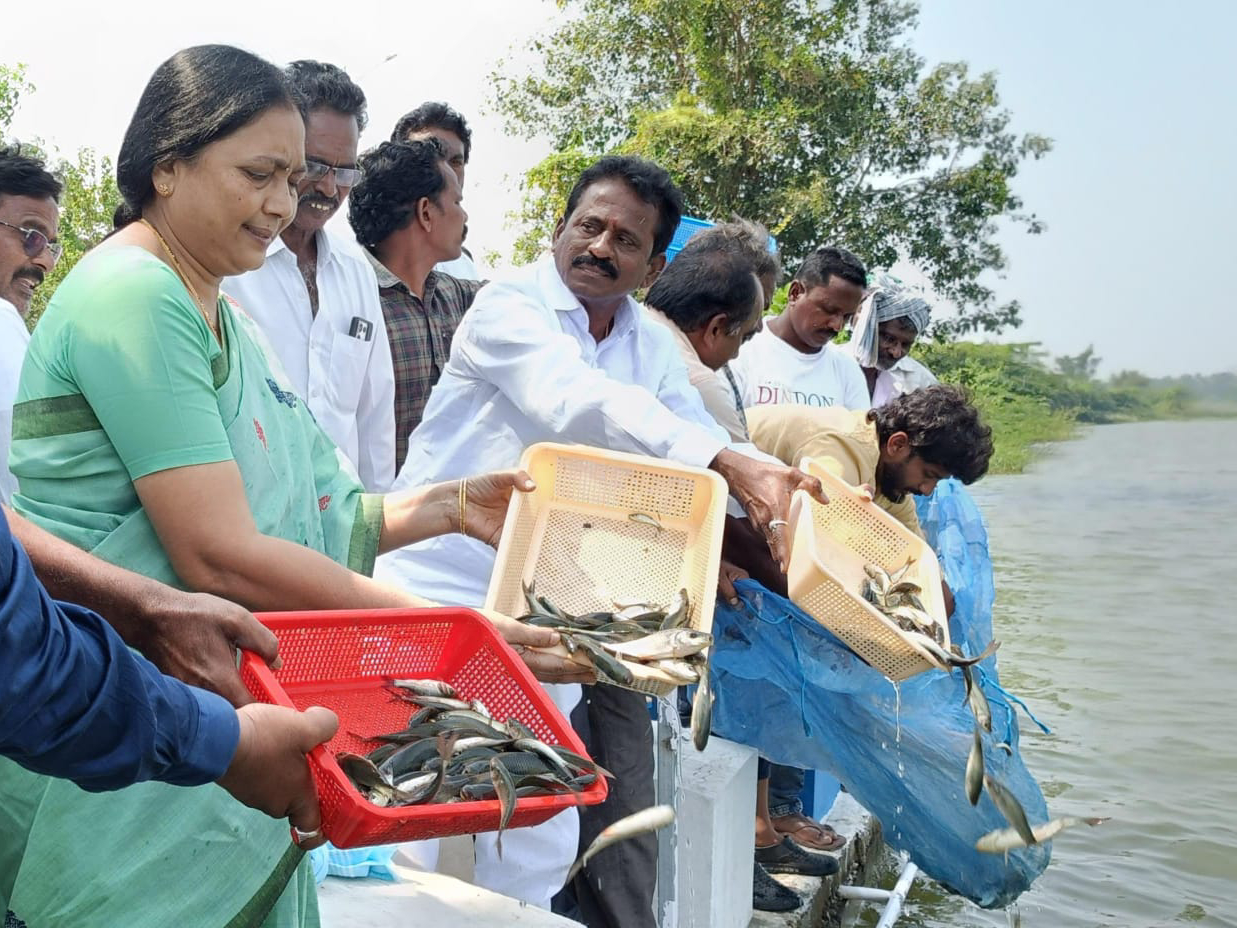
830, 544
573, 535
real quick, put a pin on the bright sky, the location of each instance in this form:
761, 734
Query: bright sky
1137, 194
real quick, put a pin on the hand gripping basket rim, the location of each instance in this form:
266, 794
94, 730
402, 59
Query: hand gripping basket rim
701, 523
351, 821
808, 573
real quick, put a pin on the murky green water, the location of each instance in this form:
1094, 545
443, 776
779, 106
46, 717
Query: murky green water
1116, 565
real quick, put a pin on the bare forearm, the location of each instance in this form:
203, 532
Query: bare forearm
73, 575
269, 574
418, 514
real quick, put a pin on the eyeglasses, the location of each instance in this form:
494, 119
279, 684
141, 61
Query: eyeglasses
344, 177
33, 242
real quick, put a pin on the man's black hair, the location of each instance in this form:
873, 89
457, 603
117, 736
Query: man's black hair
699, 284
648, 180
395, 176
325, 86
943, 426
829, 262
23, 175
434, 115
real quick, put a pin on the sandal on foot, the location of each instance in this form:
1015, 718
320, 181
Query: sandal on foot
788, 857
815, 836
768, 895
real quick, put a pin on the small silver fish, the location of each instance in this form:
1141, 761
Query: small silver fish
1011, 808
676, 612
702, 712
427, 687
638, 823
672, 642
680, 669
504, 785
974, 779
1009, 839
645, 519
978, 702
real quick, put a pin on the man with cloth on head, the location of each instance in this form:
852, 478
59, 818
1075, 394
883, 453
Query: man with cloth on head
891, 318
315, 297
559, 351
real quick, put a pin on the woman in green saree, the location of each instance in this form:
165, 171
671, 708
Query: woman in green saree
152, 430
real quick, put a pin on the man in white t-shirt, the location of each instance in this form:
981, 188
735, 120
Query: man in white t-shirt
29, 226
316, 297
793, 360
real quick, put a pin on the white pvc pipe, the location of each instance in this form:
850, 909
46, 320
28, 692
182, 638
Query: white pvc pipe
897, 896
863, 893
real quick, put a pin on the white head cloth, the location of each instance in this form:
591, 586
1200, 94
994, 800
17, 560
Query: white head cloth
887, 298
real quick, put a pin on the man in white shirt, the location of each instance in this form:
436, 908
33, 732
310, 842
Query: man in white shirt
793, 360
433, 120
892, 318
560, 351
29, 227
316, 297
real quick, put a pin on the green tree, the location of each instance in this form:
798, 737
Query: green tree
89, 198
816, 118
1082, 366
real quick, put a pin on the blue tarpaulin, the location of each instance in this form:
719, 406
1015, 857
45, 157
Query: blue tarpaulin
789, 688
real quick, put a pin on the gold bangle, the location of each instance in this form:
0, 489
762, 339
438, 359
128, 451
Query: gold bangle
463, 501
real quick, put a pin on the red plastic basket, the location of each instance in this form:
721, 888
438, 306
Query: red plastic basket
341, 659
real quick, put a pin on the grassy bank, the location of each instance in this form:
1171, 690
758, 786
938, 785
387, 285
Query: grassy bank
1027, 403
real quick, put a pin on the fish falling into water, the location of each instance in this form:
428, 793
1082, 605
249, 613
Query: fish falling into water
453, 750
653, 818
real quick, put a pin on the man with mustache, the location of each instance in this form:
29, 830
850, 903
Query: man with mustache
793, 360
29, 225
559, 351
891, 319
407, 214
316, 297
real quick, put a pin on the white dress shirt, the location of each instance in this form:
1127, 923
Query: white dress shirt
339, 361
524, 369
14, 337
461, 268
905, 376
771, 372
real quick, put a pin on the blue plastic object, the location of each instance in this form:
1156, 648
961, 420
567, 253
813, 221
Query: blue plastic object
789, 688
689, 227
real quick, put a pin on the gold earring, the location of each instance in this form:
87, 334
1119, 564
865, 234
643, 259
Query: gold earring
164, 190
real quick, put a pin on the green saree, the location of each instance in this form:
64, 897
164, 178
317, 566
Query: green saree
124, 379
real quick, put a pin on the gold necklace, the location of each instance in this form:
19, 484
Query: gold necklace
197, 301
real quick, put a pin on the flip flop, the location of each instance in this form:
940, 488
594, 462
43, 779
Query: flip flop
810, 834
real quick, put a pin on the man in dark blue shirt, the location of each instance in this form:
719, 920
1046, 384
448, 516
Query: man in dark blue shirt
75, 702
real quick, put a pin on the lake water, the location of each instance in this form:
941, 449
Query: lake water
1116, 574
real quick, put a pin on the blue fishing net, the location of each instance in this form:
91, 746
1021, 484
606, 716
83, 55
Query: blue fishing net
793, 691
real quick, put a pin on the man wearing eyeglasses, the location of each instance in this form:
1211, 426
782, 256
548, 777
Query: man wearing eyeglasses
316, 297
29, 224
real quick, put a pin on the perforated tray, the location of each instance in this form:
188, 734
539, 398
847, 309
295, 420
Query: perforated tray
574, 536
830, 545
342, 659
